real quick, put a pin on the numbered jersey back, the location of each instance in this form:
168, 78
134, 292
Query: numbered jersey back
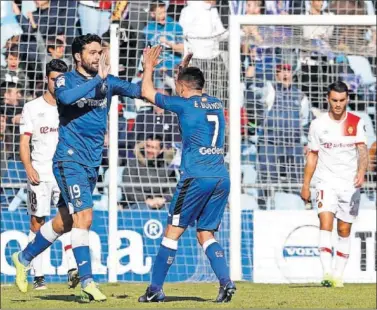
202, 125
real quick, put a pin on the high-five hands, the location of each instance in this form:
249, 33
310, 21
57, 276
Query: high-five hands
185, 62
103, 68
151, 57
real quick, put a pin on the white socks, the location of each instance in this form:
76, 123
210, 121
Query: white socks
342, 254
67, 246
325, 251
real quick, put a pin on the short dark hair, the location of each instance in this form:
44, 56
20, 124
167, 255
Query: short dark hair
339, 87
54, 43
13, 50
193, 76
156, 137
56, 65
156, 4
80, 41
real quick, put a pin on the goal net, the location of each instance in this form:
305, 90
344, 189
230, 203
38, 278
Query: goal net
272, 78
280, 68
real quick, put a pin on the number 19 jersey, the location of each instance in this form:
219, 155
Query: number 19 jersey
202, 126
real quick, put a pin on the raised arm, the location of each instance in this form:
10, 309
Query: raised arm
150, 61
69, 95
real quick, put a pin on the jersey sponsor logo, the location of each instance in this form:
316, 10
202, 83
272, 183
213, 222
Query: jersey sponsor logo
101, 103
330, 145
46, 129
60, 81
211, 151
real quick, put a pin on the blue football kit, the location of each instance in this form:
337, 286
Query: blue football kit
202, 192
83, 106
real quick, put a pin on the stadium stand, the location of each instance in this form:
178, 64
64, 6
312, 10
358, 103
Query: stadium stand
285, 72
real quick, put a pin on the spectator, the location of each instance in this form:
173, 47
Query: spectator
46, 20
94, 16
280, 156
163, 30
277, 7
147, 171
13, 73
55, 48
175, 8
158, 121
5, 143
12, 102
321, 33
9, 24
251, 31
203, 32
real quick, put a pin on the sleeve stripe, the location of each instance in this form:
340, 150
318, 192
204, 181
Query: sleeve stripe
314, 151
27, 134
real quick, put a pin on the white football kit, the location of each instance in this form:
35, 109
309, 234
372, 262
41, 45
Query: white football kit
40, 120
336, 144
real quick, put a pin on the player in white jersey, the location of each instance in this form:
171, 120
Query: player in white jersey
339, 158
39, 124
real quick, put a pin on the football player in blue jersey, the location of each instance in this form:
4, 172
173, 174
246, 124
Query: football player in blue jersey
83, 98
202, 192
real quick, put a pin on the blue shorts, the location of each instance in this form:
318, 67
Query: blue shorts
200, 200
76, 183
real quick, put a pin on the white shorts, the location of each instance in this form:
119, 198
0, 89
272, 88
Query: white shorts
40, 198
343, 202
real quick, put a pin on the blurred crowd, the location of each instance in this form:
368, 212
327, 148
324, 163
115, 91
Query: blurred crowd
285, 73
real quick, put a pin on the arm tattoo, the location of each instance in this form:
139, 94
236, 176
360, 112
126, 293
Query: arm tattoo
363, 158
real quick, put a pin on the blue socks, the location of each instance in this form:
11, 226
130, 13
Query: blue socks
81, 251
216, 256
164, 260
43, 239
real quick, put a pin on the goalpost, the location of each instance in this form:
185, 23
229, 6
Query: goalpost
235, 97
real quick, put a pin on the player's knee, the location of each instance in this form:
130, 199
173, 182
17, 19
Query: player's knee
83, 219
36, 223
204, 235
344, 232
173, 232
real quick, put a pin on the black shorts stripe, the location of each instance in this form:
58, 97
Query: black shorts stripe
64, 180
181, 197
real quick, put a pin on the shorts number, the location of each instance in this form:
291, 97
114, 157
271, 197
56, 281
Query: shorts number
32, 200
74, 191
319, 195
214, 118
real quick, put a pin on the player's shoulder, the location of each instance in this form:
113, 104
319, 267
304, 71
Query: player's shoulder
34, 105
353, 119
319, 121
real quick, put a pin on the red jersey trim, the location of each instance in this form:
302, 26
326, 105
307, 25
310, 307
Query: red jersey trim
350, 125
27, 134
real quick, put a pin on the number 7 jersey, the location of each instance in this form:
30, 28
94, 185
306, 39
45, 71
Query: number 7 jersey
202, 126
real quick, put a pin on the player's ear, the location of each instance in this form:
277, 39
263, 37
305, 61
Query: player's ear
77, 56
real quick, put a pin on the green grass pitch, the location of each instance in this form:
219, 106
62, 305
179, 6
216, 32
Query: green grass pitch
200, 295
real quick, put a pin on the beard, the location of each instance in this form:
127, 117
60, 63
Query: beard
89, 69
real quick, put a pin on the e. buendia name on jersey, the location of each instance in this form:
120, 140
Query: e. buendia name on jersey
209, 106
